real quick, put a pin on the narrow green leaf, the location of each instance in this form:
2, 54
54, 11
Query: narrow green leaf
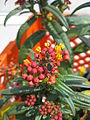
30, 43
78, 84
38, 117
17, 10
20, 90
84, 5
72, 78
80, 48
57, 13
3, 100
5, 117
85, 40
71, 104
78, 31
17, 109
23, 29
78, 20
31, 54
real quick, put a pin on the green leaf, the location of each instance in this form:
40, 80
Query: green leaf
60, 36
5, 117
85, 40
20, 90
23, 29
31, 54
87, 4
17, 10
17, 109
78, 84
74, 78
71, 104
58, 2
24, 12
80, 48
78, 31
3, 100
30, 43
57, 13
78, 20
38, 117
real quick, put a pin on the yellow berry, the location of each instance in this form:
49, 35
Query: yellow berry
82, 71
47, 44
26, 61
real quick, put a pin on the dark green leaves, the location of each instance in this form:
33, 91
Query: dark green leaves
85, 40
19, 90
78, 20
57, 13
78, 31
30, 43
17, 10
3, 100
23, 29
80, 48
87, 4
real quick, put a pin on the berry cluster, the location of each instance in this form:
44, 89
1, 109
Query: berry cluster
47, 64
30, 100
68, 1
34, 73
20, 2
51, 109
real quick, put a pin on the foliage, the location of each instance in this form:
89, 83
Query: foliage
46, 79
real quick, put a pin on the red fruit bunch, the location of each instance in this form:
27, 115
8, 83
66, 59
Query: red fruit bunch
54, 111
20, 2
68, 1
30, 100
34, 74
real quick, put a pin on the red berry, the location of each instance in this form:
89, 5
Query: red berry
40, 109
31, 84
34, 71
32, 103
40, 69
43, 107
66, 52
56, 117
30, 78
33, 64
50, 50
67, 57
26, 102
42, 113
36, 80
41, 76
24, 76
36, 55
29, 69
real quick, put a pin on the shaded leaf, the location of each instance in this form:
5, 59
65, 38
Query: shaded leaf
30, 43
80, 48
57, 13
78, 20
84, 5
19, 90
23, 29
85, 40
3, 100
17, 10
78, 31
5, 117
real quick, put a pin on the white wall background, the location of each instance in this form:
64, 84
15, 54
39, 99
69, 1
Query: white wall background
9, 32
